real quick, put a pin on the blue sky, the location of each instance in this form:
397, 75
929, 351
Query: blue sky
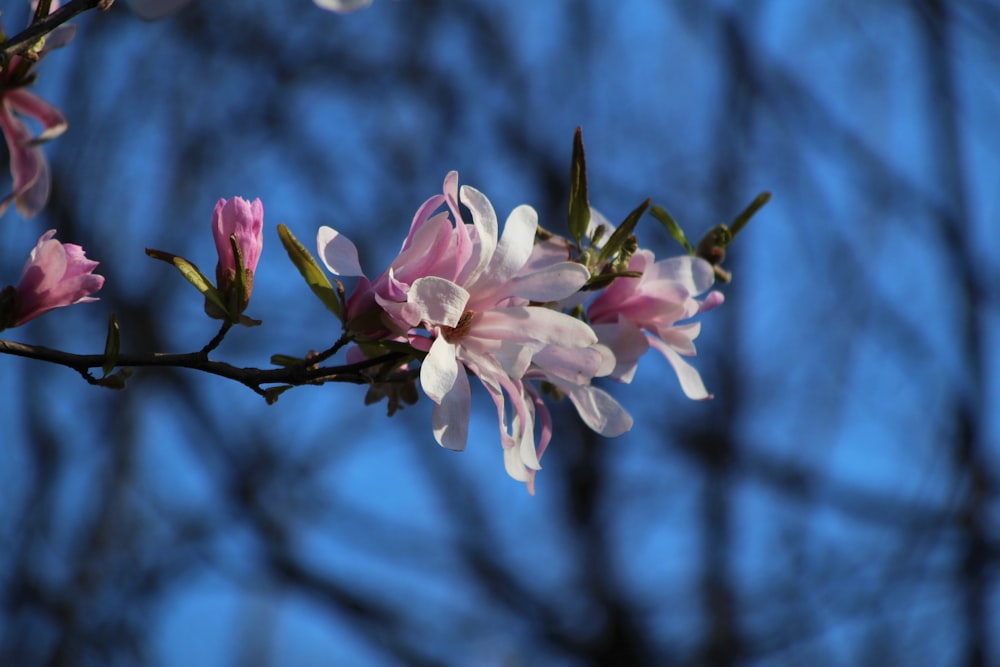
841, 339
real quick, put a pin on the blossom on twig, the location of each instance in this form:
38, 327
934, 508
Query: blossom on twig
55, 275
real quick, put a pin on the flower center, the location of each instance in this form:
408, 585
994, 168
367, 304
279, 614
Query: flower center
460, 330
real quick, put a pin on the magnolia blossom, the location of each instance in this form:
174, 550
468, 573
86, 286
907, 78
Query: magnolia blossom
245, 220
28, 167
482, 321
55, 275
633, 314
465, 295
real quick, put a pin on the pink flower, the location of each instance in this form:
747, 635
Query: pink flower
54, 276
28, 167
470, 291
245, 220
633, 314
482, 321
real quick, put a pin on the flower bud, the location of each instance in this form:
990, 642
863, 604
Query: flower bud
243, 221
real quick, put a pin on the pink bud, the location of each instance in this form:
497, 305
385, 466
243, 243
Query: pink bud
246, 220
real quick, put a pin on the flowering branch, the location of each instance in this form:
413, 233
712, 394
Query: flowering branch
528, 313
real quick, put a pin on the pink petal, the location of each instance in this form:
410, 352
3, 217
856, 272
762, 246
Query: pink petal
430, 252
422, 215
245, 220
27, 165
713, 299
32, 106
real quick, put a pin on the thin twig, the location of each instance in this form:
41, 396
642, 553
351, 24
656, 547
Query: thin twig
344, 339
28, 37
214, 343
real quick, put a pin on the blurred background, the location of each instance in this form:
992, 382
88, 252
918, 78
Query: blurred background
836, 504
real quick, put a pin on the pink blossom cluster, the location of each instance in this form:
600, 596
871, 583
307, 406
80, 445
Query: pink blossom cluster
475, 302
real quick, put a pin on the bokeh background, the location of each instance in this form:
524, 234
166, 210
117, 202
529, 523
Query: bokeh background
836, 504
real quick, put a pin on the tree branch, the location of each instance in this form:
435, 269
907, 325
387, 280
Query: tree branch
254, 378
24, 40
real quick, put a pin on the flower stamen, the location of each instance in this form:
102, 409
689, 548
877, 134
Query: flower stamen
460, 330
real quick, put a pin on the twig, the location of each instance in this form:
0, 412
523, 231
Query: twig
214, 343
25, 39
253, 378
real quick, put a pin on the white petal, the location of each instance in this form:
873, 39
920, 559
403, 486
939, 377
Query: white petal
681, 337
513, 358
512, 462
694, 273
484, 218
525, 429
690, 379
627, 342
440, 301
450, 419
600, 411
533, 323
514, 248
576, 366
338, 253
439, 371
608, 360
551, 283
